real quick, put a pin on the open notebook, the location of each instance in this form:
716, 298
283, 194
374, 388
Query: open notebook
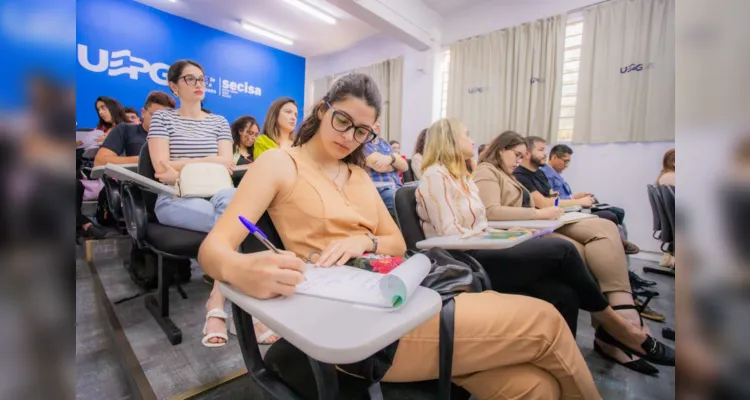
358, 286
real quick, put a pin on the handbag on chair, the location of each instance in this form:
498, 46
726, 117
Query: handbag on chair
202, 180
450, 275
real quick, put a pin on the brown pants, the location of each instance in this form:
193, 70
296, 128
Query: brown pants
505, 347
599, 243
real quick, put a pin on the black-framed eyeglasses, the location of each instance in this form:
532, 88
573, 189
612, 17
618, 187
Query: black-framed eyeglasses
342, 123
192, 80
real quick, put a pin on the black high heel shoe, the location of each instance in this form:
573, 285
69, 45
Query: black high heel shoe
652, 350
636, 280
642, 366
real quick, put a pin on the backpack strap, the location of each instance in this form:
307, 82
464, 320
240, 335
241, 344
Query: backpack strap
447, 314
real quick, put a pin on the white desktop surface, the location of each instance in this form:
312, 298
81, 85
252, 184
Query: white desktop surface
473, 243
335, 332
124, 174
98, 172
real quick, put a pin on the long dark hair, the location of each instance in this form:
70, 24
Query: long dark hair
239, 125
504, 141
271, 123
421, 138
353, 85
115, 110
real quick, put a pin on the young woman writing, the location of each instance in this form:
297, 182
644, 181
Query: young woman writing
322, 201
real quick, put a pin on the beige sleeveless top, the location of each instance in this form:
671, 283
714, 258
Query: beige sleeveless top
314, 213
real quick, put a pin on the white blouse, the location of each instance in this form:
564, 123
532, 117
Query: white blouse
447, 208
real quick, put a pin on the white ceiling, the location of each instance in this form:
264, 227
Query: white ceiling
447, 7
312, 37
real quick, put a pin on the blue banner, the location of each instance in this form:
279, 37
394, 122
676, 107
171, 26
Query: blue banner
124, 50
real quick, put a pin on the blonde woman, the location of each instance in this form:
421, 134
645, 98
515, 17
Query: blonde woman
448, 203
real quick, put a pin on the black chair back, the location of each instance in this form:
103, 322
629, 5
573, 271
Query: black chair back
666, 232
656, 219
408, 174
146, 168
408, 220
668, 199
253, 245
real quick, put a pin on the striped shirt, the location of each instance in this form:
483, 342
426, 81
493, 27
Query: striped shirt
446, 207
190, 137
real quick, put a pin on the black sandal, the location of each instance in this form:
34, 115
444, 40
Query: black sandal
653, 350
642, 366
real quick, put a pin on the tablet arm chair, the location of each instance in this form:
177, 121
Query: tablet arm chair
287, 373
164, 241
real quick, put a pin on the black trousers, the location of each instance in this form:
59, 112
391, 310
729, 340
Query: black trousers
614, 214
530, 266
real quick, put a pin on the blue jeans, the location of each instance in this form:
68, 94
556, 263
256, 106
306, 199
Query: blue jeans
192, 213
387, 193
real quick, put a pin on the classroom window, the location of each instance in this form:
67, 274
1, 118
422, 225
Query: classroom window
571, 65
444, 91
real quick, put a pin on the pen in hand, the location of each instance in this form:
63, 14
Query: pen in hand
258, 234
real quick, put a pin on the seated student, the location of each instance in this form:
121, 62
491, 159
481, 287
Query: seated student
110, 113
667, 177
321, 200
597, 239
531, 176
124, 142
131, 115
396, 146
188, 135
384, 165
559, 159
416, 159
448, 203
244, 132
667, 173
278, 127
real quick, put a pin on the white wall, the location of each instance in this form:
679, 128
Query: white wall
418, 78
617, 174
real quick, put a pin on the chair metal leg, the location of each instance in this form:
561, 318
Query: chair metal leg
159, 307
326, 379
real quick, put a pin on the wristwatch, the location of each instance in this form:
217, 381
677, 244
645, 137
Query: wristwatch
374, 242
393, 159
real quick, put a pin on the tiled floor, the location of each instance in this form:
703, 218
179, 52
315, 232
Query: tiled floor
175, 370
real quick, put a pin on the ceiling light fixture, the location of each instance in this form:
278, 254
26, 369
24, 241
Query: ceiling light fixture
268, 34
313, 11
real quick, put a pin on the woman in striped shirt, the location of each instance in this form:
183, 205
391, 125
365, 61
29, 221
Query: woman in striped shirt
187, 135
448, 203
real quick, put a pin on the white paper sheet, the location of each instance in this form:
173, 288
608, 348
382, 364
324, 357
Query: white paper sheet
358, 286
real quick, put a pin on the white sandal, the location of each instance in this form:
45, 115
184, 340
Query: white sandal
262, 338
215, 313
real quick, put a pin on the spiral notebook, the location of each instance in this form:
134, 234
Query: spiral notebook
359, 286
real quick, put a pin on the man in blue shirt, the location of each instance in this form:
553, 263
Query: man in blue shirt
559, 159
383, 165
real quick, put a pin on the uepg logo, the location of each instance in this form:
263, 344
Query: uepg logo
121, 62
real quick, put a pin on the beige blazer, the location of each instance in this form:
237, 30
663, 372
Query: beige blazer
501, 194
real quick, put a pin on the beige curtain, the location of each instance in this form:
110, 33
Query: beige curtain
509, 79
388, 76
626, 86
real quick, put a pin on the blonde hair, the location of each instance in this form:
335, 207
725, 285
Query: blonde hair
442, 147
